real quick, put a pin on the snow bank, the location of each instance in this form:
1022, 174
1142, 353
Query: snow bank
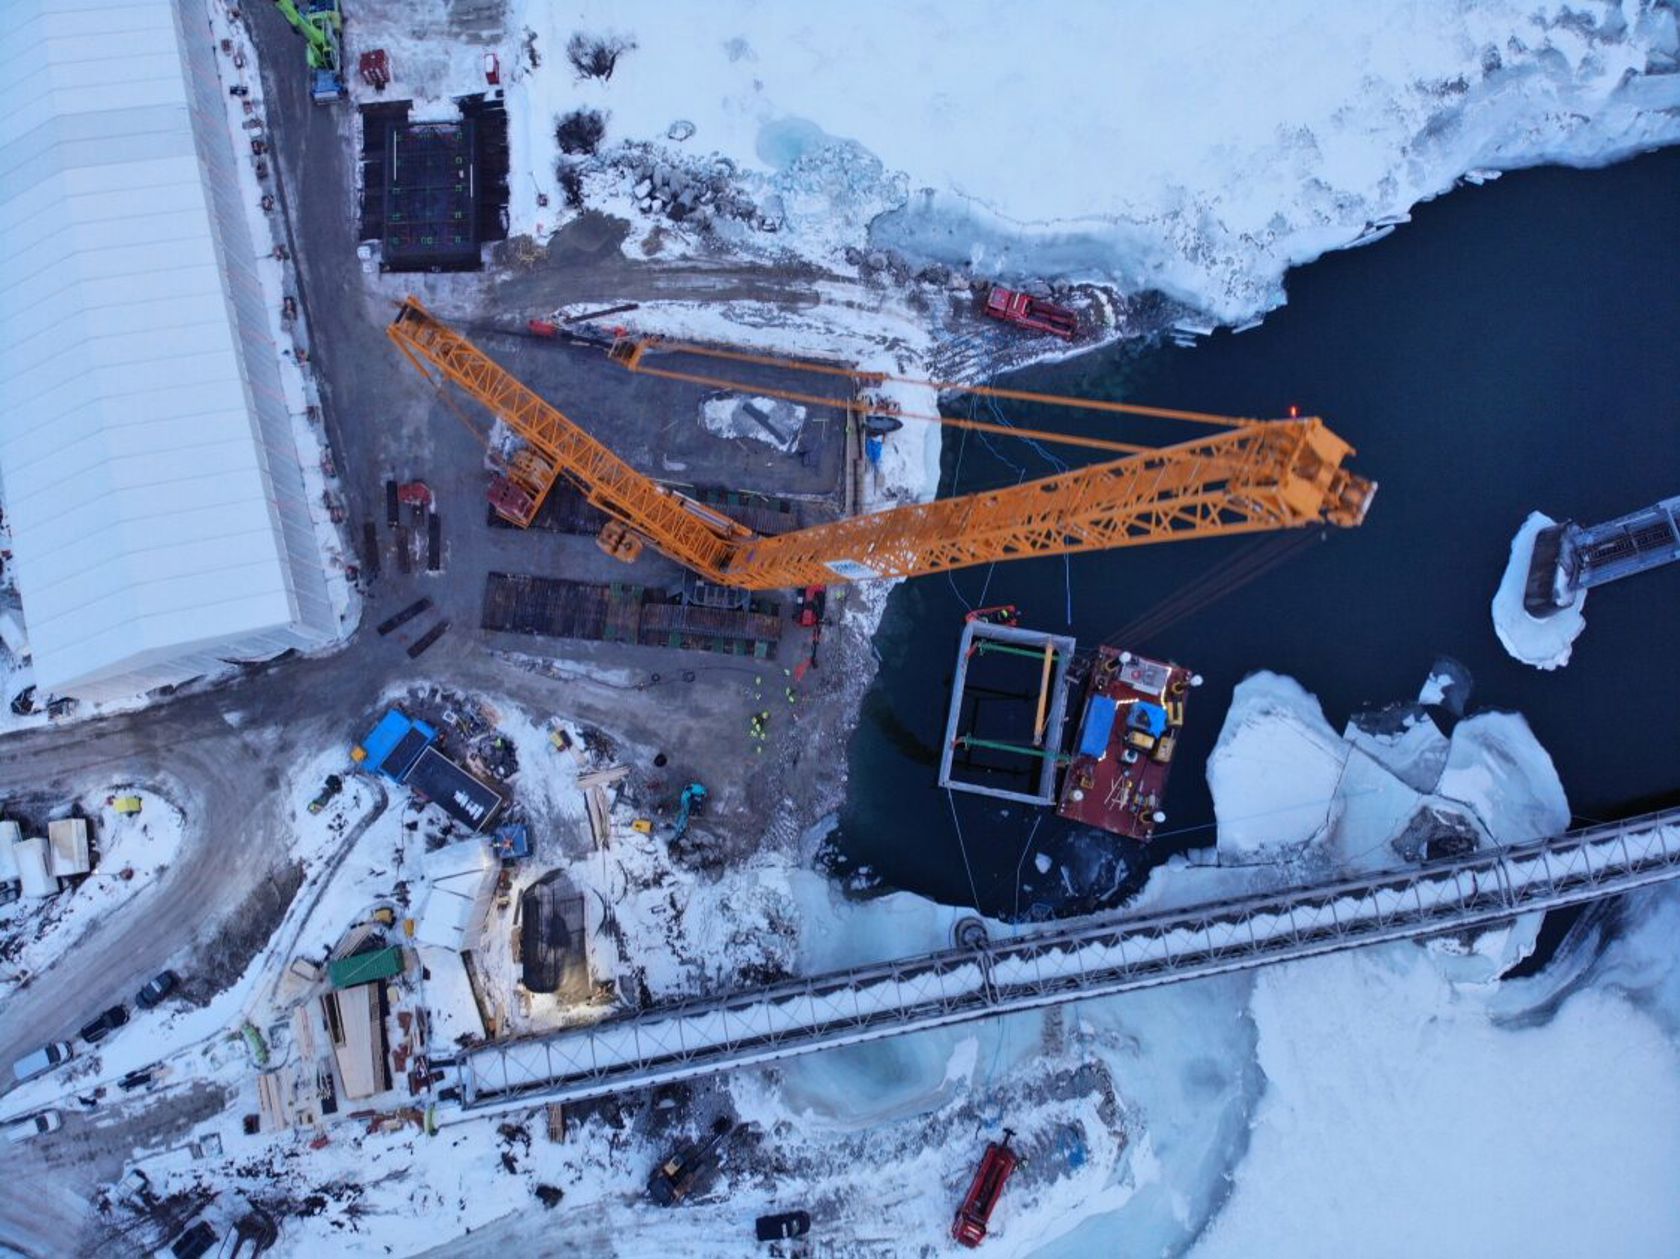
1497, 767
1543, 643
1415, 753
1201, 149
1287, 789
1392, 788
1429, 1130
133, 853
773, 421
1274, 770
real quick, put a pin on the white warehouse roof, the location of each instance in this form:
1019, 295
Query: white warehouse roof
150, 476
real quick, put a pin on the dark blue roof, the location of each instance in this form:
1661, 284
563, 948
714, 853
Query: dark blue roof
453, 790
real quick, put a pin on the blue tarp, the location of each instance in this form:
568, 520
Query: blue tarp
1099, 724
397, 733
512, 840
1148, 717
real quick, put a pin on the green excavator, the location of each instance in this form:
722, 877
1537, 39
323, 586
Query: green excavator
321, 23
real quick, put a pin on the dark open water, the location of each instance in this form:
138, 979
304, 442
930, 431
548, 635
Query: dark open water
1514, 348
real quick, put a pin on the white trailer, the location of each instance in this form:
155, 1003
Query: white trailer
10, 833
68, 838
34, 871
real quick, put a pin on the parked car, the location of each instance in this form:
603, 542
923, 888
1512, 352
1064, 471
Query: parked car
41, 1061
32, 1126
329, 790
193, 1243
156, 989
772, 1228
104, 1025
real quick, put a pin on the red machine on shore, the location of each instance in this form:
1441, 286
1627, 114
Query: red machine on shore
375, 68
1025, 311
990, 1177
808, 614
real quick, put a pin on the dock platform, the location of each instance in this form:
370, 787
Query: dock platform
1134, 710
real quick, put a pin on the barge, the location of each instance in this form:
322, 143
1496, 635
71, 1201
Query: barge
1115, 778
1006, 732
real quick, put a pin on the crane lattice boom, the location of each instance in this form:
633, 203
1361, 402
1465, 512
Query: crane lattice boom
1257, 475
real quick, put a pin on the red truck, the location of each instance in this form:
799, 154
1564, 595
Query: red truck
1025, 311
990, 1177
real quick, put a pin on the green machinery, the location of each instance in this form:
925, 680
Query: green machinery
321, 23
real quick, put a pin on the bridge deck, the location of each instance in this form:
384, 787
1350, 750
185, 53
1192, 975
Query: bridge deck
1595, 554
1091, 957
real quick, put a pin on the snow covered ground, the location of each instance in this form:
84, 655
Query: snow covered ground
1290, 793
1154, 1123
1201, 149
132, 851
1436, 1128
190, 1043
1545, 642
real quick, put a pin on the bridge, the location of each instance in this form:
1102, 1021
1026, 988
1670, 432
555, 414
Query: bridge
1570, 558
1076, 960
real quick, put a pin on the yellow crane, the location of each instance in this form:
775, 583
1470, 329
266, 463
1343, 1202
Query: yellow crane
1251, 476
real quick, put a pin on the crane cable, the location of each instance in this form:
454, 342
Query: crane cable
941, 386
633, 362
1230, 574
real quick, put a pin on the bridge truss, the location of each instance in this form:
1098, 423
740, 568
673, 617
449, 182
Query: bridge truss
1071, 961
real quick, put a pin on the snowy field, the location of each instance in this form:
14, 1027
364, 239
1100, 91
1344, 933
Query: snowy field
1199, 148
132, 852
1398, 1101
1403, 1100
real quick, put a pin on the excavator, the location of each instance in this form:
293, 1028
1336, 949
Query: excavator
321, 23
1248, 477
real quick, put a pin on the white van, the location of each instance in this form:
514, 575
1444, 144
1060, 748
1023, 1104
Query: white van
32, 1126
41, 1061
